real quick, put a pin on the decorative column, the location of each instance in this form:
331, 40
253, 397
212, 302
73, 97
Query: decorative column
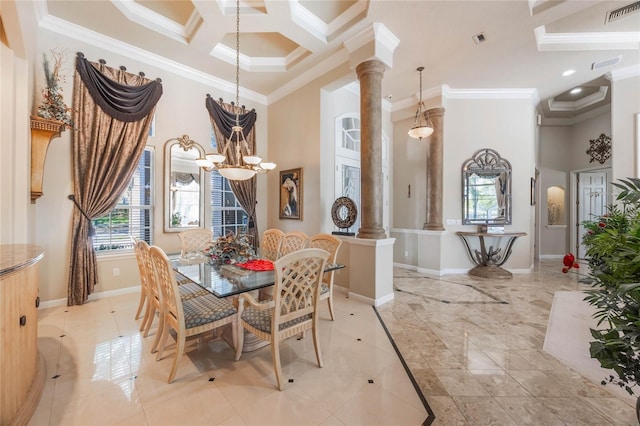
434, 171
370, 75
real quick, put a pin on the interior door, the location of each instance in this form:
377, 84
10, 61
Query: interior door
592, 202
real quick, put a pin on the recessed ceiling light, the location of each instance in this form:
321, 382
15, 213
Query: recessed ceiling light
576, 90
567, 73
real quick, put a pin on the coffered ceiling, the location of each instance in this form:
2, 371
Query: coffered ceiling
286, 43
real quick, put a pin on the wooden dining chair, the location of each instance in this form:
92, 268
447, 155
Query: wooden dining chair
293, 308
143, 280
189, 317
331, 244
270, 244
292, 241
187, 288
193, 242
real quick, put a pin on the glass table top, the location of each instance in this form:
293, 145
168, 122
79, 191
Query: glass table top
224, 280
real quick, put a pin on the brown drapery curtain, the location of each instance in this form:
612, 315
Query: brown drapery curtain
223, 117
106, 152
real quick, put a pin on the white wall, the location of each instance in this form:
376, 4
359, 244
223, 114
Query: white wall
563, 150
506, 125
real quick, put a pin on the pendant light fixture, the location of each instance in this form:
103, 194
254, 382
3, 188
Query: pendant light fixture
422, 127
247, 165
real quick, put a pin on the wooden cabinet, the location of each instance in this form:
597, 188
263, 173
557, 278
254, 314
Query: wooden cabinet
22, 369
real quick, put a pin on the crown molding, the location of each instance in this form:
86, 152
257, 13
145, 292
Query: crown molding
552, 121
101, 41
524, 93
258, 63
623, 73
157, 22
581, 103
317, 71
586, 41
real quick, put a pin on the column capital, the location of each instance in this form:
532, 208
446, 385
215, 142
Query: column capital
372, 66
373, 42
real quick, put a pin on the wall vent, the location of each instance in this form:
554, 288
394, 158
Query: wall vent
606, 63
621, 12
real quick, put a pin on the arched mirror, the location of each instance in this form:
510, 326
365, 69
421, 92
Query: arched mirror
184, 185
486, 189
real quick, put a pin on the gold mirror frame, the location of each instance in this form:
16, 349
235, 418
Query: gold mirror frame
175, 219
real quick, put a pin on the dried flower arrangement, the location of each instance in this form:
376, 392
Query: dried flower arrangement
53, 106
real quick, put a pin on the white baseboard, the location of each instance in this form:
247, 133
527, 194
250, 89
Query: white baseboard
551, 256
95, 296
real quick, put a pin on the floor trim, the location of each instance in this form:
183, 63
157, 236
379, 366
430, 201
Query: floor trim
431, 417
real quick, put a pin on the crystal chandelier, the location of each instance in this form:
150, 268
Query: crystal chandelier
247, 165
422, 127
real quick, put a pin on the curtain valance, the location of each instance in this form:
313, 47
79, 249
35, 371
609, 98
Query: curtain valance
225, 120
119, 101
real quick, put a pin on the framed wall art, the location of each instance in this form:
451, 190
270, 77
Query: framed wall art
291, 194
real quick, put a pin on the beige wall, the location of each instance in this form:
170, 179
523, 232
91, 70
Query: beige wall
563, 150
180, 111
303, 140
625, 103
16, 76
506, 125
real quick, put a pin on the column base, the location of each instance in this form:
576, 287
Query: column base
433, 227
371, 233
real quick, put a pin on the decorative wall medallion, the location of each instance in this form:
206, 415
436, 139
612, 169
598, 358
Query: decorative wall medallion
600, 149
344, 213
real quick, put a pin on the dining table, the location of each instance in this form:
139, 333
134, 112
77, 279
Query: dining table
229, 280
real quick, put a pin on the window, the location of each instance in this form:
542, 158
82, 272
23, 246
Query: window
227, 215
347, 178
132, 215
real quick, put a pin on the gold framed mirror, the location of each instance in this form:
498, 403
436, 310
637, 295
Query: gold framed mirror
184, 184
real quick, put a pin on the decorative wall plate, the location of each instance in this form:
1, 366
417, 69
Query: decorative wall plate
344, 212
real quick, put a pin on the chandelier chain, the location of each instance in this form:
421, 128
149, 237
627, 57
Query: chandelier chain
237, 61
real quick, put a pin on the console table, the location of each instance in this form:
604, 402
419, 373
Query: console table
494, 250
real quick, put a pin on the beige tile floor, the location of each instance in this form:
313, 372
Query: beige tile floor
474, 347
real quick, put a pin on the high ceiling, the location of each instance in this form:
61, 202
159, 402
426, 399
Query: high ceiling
286, 43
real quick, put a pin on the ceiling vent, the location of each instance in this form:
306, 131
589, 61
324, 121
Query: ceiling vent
621, 12
605, 63
479, 38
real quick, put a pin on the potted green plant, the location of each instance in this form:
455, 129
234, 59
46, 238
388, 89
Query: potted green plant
612, 244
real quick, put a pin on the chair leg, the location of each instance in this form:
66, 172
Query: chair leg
316, 341
180, 342
163, 343
147, 315
161, 327
330, 302
143, 298
275, 354
152, 313
239, 337
234, 332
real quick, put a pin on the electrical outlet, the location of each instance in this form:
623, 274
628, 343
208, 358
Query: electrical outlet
116, 272
406, 253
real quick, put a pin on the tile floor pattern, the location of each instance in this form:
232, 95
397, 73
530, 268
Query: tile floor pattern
474, 347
